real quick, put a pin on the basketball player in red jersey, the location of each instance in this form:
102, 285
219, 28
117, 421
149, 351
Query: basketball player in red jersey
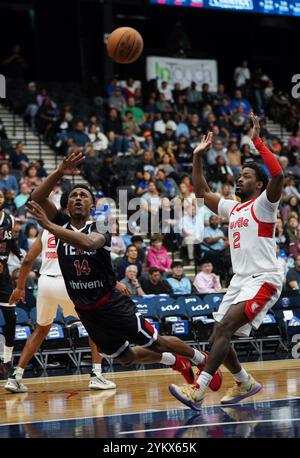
257, 283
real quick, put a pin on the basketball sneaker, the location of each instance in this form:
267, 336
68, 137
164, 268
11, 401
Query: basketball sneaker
183, 365
241, 391
14, 385
99, 382
190, 395
5, 369
217, 379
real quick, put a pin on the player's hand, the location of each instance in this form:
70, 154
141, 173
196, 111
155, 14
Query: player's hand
38, 213
123, 289
69, 164
205, 144
16, 296
256, 127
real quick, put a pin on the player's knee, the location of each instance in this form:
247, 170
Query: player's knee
222, 330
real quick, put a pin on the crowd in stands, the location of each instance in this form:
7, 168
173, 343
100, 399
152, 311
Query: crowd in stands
141, 136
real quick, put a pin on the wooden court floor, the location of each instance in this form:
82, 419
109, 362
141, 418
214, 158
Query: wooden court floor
138, 393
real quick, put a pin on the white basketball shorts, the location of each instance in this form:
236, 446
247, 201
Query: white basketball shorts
260, 292
52, 293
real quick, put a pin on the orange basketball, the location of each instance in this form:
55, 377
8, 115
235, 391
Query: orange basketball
125, 45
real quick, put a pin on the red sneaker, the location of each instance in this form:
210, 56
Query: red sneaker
183, 365
217, 379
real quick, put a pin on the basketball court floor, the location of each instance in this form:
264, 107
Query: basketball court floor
141, 406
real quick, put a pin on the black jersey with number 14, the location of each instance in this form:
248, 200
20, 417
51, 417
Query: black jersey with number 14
88, 275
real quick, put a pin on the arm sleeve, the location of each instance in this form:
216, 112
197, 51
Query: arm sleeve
264, 209
225, 206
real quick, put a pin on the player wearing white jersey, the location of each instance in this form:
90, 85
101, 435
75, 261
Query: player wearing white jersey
51, 293
257, 282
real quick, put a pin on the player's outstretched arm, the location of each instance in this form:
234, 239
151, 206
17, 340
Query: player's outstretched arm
201, 188
275, 186
18, 293
42, 192
87, 242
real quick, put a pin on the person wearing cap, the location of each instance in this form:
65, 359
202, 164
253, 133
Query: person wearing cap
130, 280
179, 283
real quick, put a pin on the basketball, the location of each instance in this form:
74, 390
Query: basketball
125, 45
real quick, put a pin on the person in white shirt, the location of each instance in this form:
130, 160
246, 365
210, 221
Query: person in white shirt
257, 282
242, 74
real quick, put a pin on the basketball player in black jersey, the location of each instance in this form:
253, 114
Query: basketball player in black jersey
7, 244
110, 318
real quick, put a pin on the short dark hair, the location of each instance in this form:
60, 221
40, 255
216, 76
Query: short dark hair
83, 186
64, 200
260, 173
136, 238
130, 246
152, 270
176, 264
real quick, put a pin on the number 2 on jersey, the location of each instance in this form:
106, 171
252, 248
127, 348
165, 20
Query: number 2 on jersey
82, 268
236, 239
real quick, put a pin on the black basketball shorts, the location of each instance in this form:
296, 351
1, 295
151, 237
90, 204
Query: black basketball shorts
6, 287
117, 324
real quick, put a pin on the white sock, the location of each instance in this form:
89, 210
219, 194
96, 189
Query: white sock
7, 354
18, 373
198, 357
241, 376
168, 359
204, 380
97, 367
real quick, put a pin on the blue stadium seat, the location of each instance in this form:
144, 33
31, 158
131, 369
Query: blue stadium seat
22, 316
214, 300
174, 320
198, 308
161, 299
188, 300
32, 315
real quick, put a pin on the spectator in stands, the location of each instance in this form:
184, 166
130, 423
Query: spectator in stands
117, 100
31, 103
41, 171
137, 112
294, 246
147, 164
217, 149
165, 185
165, 89
176, 92
293, 276
110, 87
7, 182
10, 206
280, 237
118, 247
42, 96
45, 119
18, 156
157, 255
130, 123
206, 281
138, 241
193, 96
31, 232
296, 168
239, 100
154, 284
291, 229
113, 122
78, 136
294, 140
234, 156
292, 205
21, 199
62, 129
98, 140
130, 280
130, 257
179, 283
31, 179
221, 173
191, 228
246, 139
242, 75
108, 177
144, 184
91, 168
290, 187
214, 243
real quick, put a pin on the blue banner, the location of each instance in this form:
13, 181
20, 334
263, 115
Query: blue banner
282, 7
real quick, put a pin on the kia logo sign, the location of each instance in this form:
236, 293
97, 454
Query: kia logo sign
142, 306
170, 308
199, 308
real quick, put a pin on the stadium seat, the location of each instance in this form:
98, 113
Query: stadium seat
268, 335
148, 309
23, 329
174, 320
213, 300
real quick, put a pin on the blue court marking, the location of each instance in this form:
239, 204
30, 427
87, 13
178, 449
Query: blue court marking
280, 418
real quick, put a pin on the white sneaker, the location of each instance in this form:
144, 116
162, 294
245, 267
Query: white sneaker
15, 386
99, 382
